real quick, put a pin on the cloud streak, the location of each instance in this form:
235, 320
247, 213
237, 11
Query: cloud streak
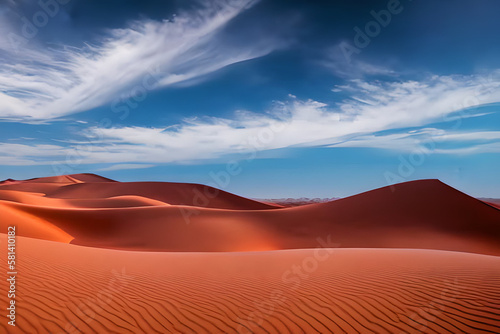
430, 140
42, 84
372, 107
375, 116
125, 167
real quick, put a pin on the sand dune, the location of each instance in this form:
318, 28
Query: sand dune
422, 214
496, 205
492, 201
90, 187
73, 289
31, 225
171, 193
46, 185
33, 187
9, 181
38, 199
71, 179
185, 258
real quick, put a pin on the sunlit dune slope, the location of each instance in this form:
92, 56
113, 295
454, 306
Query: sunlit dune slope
91, 187
421, 214
71, 289
171, 193
74, 178
37, 199
31, 225
46, 185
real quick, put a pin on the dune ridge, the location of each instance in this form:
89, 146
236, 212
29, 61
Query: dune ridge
100, 256
424, 214
39, 199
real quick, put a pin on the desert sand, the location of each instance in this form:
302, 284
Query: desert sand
73, 289
99, 256
425, 214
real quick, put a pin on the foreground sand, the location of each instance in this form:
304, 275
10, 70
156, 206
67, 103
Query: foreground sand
99, 256
65, 288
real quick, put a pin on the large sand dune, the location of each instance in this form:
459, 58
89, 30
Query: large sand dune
94, 187
71, 289
184, 217
188, 258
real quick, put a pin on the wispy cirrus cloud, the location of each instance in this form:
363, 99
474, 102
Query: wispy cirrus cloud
29, 154
125, 167
430, 140
373, 107
335, 61
41, 83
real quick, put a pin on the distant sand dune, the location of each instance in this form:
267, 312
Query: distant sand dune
171, 193
493, 202
187, 258
38, 199
74, 178
176, 217
66, 287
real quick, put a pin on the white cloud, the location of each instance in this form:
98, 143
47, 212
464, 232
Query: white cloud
430, 140
358, 69
359, 121
470, 136
48, 83
25, 155
373, 107
475, 149
336, 62
125, 167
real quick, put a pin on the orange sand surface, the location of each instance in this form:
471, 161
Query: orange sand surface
66, 288
98, 256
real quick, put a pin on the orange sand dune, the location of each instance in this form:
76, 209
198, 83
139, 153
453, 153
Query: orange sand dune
213, 281
9, 181
95, 187
421, 214
493, 202
74, 178
34, 187
46, 185
496, 205
71, 289
38, 199
31, 225
171, 193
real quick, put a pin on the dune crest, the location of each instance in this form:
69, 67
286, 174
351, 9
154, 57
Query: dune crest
186, 258
30, 225
160, 216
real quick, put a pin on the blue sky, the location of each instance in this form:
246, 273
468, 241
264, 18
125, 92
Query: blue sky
262, 98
